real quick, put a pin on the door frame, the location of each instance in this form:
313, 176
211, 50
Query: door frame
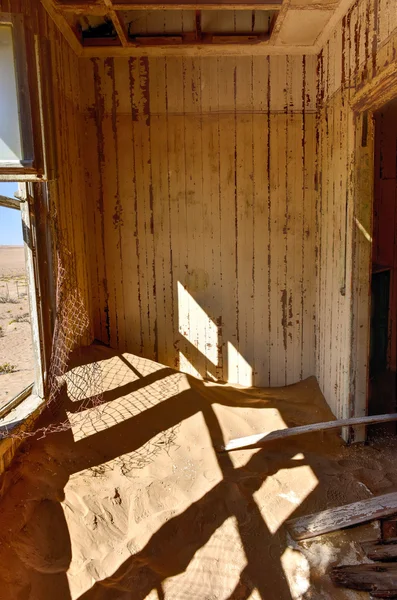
370, 98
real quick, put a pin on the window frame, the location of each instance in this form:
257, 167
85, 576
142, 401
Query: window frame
28, 199
26, 72
32, 54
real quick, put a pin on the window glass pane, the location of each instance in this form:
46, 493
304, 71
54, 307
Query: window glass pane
10, 136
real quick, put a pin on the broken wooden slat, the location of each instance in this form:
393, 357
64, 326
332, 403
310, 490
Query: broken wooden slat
260, 439
342, 516
379, 551
378, 578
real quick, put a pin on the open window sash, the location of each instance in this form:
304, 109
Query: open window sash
25, 202
20, 120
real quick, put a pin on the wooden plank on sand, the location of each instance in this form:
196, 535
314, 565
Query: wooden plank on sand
343, 516
379, 579
378, 551
260, 439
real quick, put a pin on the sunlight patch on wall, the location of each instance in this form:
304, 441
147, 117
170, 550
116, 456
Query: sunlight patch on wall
196, 326
239, 371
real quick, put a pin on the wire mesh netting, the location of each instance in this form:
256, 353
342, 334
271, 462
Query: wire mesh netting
74, 395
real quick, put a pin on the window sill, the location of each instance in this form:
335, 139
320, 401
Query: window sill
18, 415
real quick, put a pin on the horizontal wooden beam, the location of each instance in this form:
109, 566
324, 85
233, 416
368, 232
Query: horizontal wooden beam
260, 49
155, 5
10, 202
190, 38
340, 517
378, 91
82, 9
102, 9
260, 439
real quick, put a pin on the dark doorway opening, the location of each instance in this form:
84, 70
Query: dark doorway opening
383, 336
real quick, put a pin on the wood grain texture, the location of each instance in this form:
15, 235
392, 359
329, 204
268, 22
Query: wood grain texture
201, 189
333, 519
261, 439
377, 551
380, 578
360, 48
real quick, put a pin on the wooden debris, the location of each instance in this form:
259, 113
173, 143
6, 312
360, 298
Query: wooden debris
388, 529
343, 516
377, 579
378, 551
258, 440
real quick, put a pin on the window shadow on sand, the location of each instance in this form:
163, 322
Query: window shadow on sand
131, 414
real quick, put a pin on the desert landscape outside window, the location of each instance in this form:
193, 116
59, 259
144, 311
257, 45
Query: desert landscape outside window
16, 352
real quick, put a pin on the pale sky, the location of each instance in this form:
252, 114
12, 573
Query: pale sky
10, 219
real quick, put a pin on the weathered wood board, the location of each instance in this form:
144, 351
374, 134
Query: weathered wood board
380, 578
378, 551
260, 439
340, 517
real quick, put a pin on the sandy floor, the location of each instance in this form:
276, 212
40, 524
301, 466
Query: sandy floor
16, 353
133, 502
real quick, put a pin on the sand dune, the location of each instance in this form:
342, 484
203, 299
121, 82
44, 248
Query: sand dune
134, 503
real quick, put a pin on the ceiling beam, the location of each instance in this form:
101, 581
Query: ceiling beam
156, 5
62, 24
342, 9
194, 49
102, 9
279, 21
81, 9
117, 23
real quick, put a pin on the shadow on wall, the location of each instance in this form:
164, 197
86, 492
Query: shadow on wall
203, 346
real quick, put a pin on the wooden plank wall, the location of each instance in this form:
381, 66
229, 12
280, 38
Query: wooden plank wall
200, 180
363, 44
67, 191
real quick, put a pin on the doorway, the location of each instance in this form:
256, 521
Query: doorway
383, 329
